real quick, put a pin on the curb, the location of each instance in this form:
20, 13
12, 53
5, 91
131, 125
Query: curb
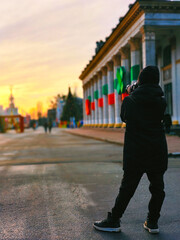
170, 155
95, 138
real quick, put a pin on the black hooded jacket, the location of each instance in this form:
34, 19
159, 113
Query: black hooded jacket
145, 146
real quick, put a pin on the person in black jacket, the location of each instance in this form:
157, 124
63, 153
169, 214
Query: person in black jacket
167, 122
145, 150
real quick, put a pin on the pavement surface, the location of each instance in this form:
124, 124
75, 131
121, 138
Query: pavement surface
54, 186
117, 136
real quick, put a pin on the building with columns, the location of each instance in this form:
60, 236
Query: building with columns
148, 34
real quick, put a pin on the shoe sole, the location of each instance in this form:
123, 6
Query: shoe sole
153, 231
107, 229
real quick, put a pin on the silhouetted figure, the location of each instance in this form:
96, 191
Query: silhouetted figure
145, 150
50, 126
34, 126
45, 127
167, 122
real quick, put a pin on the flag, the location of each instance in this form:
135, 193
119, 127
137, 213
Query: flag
100, 102
135, 70
88, 107
105, 89
93, 106
120, 75
111, 99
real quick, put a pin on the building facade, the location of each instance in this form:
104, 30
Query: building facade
11, 110
59, 109
149, 34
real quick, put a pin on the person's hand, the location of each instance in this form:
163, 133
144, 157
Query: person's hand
128, 89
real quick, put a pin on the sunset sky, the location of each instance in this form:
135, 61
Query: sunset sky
45, 44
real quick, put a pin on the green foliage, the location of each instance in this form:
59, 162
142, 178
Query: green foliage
54, 101
73, 108
2, 125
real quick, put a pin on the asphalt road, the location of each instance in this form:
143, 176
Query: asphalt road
55, 186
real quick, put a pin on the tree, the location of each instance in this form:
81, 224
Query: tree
54, 102
2, 125
72, 108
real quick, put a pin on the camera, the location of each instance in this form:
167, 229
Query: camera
131, 88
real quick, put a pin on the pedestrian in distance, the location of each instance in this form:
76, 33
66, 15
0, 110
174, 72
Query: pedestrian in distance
50, 126
45, 126
34, 126
145, 150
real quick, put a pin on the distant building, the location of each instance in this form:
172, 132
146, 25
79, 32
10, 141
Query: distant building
148, 34
1, 110
27, 120
59, 109
11, 110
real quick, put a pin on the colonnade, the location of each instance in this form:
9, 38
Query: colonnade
102, 101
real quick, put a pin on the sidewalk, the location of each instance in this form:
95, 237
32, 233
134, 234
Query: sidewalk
117, 136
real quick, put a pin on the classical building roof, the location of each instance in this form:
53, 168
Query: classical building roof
135, 11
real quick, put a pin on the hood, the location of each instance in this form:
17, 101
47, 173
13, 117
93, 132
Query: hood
149, 75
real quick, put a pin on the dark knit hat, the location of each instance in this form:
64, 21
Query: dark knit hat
149, 75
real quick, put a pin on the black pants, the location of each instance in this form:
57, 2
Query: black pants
128, 187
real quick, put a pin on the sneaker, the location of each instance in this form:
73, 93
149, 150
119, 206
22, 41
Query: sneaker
108, 225
152, 227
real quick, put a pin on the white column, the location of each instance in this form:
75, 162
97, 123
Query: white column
84, 107
117, 63
85, 94
148, 48
88, 94
125, 62
100, 109
92, 100
135, 57
159, 64
135, 54
110, 80
105, 98
96, 101
174, 82
178, 87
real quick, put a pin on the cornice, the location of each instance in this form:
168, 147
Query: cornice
160, 6
112, 39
